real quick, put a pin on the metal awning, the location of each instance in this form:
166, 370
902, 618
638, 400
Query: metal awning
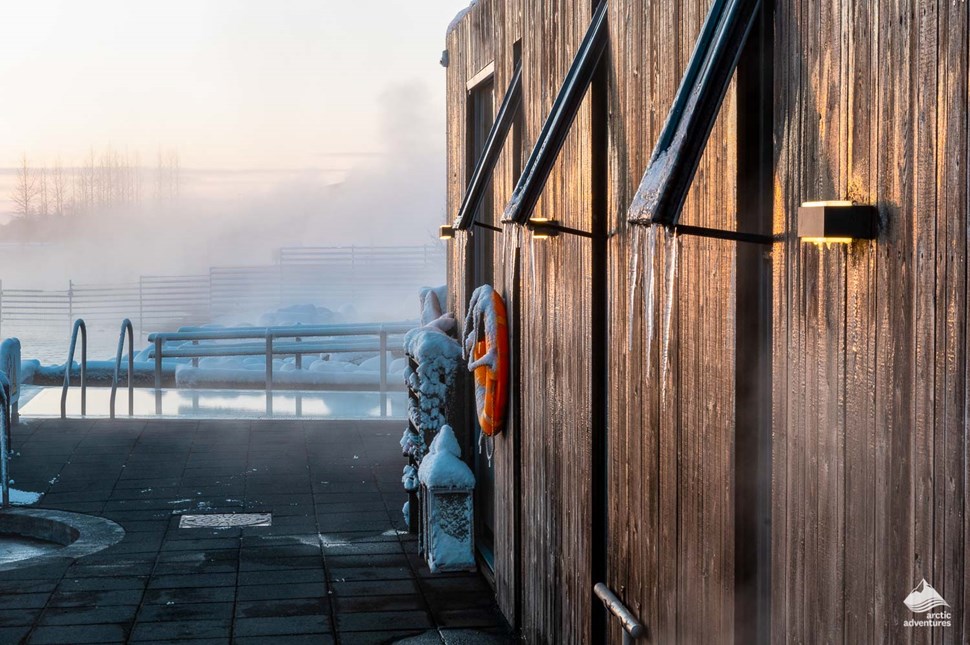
668, 177
560, 119
490, 153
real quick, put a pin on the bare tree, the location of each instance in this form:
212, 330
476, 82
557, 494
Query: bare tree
58, 188
168, 175
43, 193
25, 190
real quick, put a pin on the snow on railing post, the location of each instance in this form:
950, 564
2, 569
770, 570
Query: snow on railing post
447, 486
10, 365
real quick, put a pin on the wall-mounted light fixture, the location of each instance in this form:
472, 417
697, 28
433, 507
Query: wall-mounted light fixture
446, 232
836, 222
543, 228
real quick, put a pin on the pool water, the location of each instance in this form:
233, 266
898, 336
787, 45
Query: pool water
46, 402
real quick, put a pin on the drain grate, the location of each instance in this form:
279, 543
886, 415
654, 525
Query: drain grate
225, 520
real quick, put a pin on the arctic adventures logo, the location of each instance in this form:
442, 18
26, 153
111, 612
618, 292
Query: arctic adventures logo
921, 600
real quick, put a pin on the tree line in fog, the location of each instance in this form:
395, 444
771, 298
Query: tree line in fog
101, 181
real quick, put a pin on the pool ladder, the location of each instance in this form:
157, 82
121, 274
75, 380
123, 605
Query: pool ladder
81, 329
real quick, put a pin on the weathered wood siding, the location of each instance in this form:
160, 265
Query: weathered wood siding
869, 342
870, 359
553, 436
671, 457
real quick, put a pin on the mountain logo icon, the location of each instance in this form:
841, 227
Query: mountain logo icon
924, 598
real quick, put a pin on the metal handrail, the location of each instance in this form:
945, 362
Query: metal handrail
268, 335
78, 326
632, 628
126, 328
4, 444
288, 331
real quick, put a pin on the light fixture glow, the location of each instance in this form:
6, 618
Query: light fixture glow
836, 222
543, 228
827, 240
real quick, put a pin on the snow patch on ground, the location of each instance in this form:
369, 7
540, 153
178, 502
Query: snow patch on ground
23, 497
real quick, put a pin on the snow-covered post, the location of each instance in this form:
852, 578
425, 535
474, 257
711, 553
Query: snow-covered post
432, 365
10, 365
4, 442
447, 486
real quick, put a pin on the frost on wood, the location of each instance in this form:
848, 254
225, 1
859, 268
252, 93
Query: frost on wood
447, 484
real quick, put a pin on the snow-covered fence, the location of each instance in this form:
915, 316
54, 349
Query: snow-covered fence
172, 301
298, 340
331, 276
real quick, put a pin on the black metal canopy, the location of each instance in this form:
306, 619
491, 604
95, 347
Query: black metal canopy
668, 177
490, 153
557, 124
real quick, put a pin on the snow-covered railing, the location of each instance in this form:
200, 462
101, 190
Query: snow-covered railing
126, 330
328, 339
79, 327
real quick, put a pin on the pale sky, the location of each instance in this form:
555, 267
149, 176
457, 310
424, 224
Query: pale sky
228, 83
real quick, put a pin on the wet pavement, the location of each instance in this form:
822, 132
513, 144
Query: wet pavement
334, 566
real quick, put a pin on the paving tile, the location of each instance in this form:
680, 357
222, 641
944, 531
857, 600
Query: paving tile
193, 580
374, 620
268, 592
356, 574
372, 588
102, 583
185, 611
120, 614
23, 600
189, 595
379, 603
90, 598
283, 607
339, 521
271, 626
17, 617
13, 634
384, 637
180, 630
60, 634
287, 639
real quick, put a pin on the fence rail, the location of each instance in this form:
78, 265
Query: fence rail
329, 276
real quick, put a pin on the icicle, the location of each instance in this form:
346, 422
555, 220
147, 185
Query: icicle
634, 272
672, 245
533, 287
649, 295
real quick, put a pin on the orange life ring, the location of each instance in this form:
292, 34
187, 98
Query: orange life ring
489, 358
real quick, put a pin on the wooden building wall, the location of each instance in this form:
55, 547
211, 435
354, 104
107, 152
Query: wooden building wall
868, 342
552, 439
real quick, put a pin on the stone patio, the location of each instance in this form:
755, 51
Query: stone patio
335, 566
